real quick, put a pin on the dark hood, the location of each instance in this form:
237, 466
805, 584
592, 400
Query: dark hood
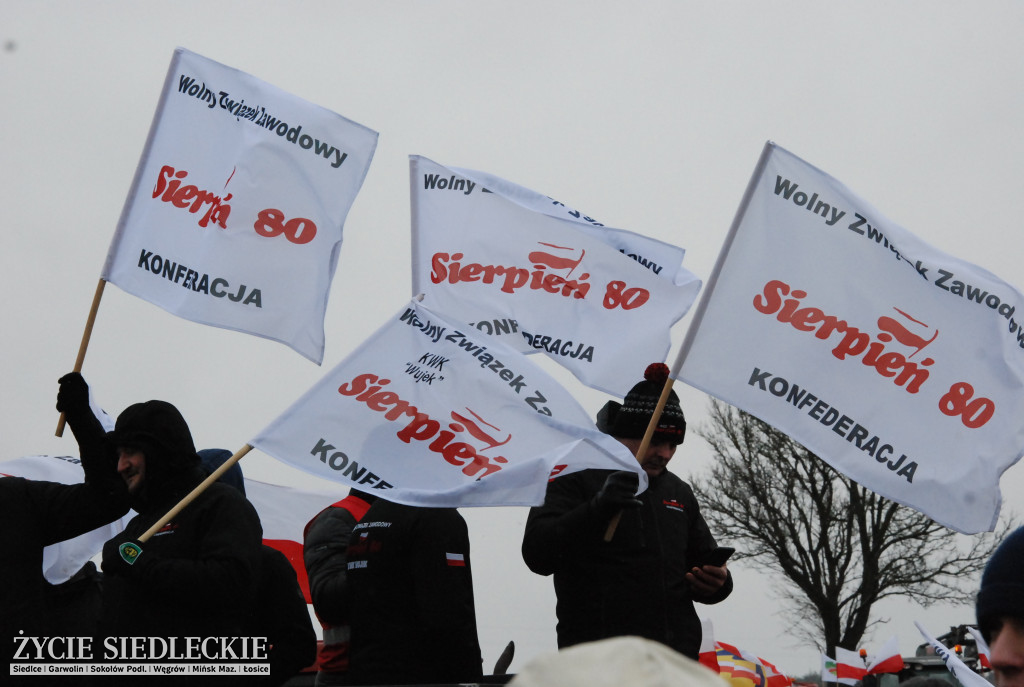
158, 430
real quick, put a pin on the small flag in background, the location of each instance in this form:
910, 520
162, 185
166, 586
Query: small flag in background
849, 666
887, 660
829, 671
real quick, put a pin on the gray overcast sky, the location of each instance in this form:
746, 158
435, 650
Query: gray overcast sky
646, 116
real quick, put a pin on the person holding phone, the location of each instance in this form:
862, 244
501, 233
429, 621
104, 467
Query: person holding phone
661, 558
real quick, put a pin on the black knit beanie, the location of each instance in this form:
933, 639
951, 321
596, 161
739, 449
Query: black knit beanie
1002, 585
629, 419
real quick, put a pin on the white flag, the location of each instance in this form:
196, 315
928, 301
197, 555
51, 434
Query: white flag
544, 278
897, 364
235, 215
429, 413
959, 669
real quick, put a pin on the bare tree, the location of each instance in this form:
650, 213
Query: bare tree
841, 547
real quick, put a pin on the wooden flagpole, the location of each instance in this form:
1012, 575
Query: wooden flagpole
86, 335
192, 495
698, 314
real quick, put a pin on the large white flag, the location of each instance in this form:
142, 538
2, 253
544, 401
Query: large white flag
545, 278
897, 364
235, 215
430, 413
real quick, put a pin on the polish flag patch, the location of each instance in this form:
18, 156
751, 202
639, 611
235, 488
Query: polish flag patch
456, 560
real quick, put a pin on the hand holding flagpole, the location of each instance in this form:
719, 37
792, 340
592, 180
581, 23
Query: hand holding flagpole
644, 445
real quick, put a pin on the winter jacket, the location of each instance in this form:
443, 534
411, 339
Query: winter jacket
35, 514
413, 616
324, 551
636, 583
197, 576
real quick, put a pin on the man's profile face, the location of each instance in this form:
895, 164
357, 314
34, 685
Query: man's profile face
131, 465
658, 454
1006, 653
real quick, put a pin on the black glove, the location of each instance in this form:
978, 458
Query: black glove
124, 556
73, 395
617, 493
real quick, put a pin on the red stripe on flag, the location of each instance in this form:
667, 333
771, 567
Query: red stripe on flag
892, 664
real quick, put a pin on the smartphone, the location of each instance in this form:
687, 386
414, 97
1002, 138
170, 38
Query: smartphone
717, 556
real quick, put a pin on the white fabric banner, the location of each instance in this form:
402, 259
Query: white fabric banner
544, 278
428, 413
897, 364
235, 215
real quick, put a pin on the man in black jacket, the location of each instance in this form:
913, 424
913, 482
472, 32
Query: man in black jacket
35, 514
197, 576
411, 585
325, 554
645, 579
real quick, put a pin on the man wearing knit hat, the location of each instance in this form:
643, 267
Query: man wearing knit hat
196, 577
644, 580
1000, 610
